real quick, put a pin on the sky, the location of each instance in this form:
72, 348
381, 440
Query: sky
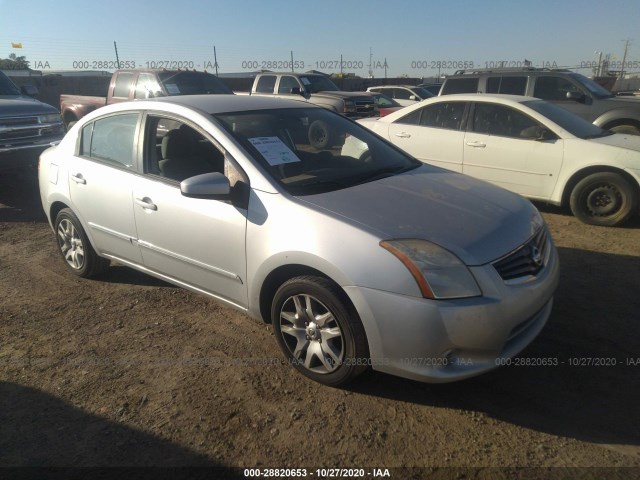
416, 38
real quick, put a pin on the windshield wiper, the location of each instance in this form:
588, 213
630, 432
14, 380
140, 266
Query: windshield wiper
384, 173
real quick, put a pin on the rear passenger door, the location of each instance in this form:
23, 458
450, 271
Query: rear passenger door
433, 134
101, 179
199, 242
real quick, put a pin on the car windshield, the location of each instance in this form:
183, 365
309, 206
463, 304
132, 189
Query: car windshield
596, 89
312, 150
569, 121
381, 100
7, 87
318, 83
192, 83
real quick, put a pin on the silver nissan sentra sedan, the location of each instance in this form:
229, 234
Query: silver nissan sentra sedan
378, 261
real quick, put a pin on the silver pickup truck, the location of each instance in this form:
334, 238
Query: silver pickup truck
317, 89
27, 126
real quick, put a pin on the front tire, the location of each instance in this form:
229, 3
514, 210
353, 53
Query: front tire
605, 199
318, 330
75, 248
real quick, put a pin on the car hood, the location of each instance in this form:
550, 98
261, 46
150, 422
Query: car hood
473, 219
21, 106
630, 142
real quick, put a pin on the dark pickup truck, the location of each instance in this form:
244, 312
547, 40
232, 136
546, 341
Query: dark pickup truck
27, 126
140, 84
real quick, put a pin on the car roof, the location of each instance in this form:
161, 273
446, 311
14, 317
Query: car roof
223, 103
393, 86
483, 97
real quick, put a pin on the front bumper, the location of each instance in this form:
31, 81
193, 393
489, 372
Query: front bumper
446, 340
24, 155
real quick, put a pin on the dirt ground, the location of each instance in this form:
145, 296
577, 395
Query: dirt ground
125, 370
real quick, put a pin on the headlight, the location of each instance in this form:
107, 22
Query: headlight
438, 272
349, 106
52, 118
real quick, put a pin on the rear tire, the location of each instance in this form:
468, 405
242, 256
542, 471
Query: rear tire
319, 331
75, 248
605, 199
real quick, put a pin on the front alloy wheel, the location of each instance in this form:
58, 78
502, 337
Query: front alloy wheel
319, 331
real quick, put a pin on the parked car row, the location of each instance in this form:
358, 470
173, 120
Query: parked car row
362, 247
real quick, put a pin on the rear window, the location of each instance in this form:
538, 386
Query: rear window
121, 88
460, 85
266, 84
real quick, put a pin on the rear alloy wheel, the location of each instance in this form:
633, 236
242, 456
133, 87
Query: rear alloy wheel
605, 199
318, 332
78, 254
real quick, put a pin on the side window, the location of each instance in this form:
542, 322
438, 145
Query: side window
553, 88
111, 139
266, 84
443, 115
287, 83
503, 121
507, 85
412, 119
460, 85
147, 87
401, 93
176, 151
123, 82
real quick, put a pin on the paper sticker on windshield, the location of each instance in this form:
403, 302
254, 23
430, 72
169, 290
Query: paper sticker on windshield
274, 151
305, 80
172, 88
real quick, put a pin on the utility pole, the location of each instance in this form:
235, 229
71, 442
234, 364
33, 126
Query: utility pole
624, 57
370, 62
117, 59
215, 60
292, 70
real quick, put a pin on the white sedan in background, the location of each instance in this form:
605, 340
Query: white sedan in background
525, 145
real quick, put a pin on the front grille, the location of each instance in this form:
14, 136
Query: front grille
25, 130
527, 260
20, 134
18, 121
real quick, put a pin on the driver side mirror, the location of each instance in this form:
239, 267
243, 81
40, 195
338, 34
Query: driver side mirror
208, 185
575, 96
299, 91
29, 90
413, 97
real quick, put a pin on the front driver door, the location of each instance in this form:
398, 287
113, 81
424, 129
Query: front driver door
199, 242
500, 146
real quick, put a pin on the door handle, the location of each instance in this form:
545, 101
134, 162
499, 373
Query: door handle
78, 178
146, 203
476, 144
403, 135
